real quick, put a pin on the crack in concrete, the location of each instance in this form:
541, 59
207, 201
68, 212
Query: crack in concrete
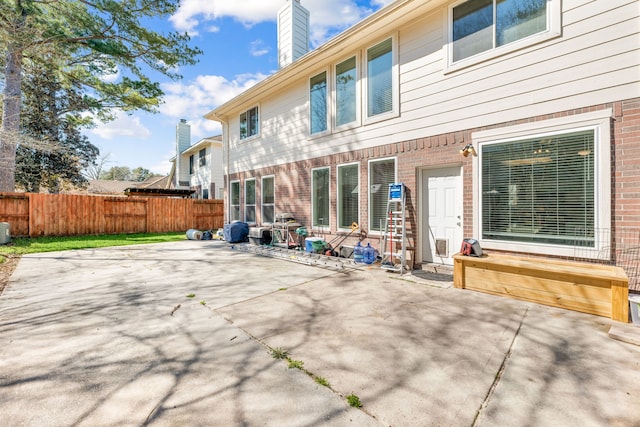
501, 370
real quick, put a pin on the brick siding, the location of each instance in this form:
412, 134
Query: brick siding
293, 180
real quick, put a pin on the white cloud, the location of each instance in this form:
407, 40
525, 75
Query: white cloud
204, 93
191, 13
258, 48
326, 16
202, 128
112, 77
123, 126
382, 2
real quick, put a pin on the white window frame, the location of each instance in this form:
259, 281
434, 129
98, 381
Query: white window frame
554, 29
600, 122
328, 106
257, 134
339, 199
395, 82
262, 194
231, 205
246, 200
334, 95
384, 190
313, 201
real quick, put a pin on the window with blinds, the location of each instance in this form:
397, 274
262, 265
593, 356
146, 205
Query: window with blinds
250, 200
539, 190
346, 102
381, 174
318, 103
379, 78
348, 195
234, 205
320, 197
268, 200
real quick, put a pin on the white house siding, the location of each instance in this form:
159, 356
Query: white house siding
201, 177
209, 176
596, 60
594, 65
217, 175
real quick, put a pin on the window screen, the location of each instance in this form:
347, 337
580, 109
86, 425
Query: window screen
249, 123
234, 212
348, 195
381, 174
346, 80
250, 200
539, 190
320, 190
268, 200
318, 103
481, 25
379, 79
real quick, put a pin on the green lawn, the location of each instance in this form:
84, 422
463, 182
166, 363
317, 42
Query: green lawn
26, 245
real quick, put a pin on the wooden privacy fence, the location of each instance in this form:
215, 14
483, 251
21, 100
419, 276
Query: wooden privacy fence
31, 214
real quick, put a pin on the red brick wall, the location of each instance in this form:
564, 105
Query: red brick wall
293, 180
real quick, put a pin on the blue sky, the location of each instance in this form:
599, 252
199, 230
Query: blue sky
239, 41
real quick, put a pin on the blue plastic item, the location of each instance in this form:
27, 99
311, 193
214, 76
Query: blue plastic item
236, 232
358, 253
369, 254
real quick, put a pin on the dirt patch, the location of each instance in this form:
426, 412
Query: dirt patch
6, 270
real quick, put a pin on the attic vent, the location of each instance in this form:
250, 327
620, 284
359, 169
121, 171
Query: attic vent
442, 248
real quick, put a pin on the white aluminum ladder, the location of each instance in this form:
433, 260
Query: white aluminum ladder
394, 239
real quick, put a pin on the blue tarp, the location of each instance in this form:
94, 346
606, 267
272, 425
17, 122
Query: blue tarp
236, 232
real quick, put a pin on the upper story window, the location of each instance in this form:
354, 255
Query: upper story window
380, 78
202, 157
483, 25
318, 101
346, 85
249, 123
191, 164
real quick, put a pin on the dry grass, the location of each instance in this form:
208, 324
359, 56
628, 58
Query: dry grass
8, 263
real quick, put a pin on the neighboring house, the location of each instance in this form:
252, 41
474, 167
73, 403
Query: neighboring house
514, 122
156, 182
197, 167
109, 187
157, 186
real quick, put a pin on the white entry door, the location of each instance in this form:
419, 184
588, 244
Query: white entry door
441, 214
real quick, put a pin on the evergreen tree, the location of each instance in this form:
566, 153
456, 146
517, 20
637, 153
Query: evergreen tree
86, 41
53, 152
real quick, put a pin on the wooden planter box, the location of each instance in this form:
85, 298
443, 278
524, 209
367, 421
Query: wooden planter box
597, 289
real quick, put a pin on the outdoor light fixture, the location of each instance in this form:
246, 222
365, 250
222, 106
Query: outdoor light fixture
468, 149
